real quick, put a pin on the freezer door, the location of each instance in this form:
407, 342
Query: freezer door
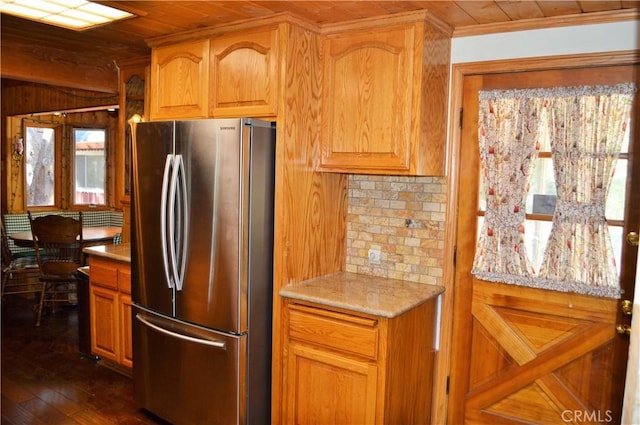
214, 289
186, 374
152, 144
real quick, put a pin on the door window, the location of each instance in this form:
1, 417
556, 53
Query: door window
543, 214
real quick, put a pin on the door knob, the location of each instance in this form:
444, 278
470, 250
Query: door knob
627, 307
623, 329
633, 238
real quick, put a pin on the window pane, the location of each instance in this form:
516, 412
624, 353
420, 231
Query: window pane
536, 235
617, 192
40, 166
615, 233
482, 202
625, 142
90, 166
541, 198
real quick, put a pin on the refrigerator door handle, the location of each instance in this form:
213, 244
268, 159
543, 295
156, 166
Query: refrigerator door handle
163, 218
172, 221
216, 344
179, 193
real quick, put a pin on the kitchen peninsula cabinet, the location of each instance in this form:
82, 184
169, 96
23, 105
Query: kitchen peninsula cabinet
110, 303
358, 349
385, 90
180, 80
244, 74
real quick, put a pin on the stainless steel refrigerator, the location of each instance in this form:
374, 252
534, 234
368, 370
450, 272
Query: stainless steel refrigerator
201, 256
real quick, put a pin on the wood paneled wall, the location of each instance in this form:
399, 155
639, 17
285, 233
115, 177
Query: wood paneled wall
19, 98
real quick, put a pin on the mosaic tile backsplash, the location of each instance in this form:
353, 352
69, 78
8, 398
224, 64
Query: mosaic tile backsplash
401, 217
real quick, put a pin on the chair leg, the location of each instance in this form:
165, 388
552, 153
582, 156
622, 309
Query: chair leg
41, 303
5, 279
53, 298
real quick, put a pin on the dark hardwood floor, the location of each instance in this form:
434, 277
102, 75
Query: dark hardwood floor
45, 379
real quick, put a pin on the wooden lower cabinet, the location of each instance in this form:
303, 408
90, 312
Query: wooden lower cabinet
327, 387
110, 299
344, 367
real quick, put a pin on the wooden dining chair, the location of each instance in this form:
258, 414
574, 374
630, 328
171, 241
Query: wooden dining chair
20, 275
57, 241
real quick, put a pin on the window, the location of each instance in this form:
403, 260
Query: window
551, 189
65, 166
89, 166
41, 165
541, 199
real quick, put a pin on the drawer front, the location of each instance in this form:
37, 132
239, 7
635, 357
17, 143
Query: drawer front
339, 331
124, 280
103, 274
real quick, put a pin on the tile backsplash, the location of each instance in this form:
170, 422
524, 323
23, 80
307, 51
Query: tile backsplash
403, 218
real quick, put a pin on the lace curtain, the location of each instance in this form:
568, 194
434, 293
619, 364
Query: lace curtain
586, 126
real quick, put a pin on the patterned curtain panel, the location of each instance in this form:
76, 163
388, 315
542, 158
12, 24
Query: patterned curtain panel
587, 127
508, 133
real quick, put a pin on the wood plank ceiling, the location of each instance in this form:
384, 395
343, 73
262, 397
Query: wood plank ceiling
157, 18
87, 60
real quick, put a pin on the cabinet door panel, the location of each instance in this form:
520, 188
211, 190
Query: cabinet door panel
180, 80
245, 74
327, 388
104, 316
367, 102
126, 345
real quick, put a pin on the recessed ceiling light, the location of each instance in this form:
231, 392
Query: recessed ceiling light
72, 14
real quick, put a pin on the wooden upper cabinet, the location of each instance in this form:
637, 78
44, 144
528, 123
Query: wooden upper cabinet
244, 74
180, 80
384, 103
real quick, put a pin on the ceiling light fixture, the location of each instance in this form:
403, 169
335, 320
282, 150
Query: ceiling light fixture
76, 15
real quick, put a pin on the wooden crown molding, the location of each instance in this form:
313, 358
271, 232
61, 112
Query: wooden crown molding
549, 22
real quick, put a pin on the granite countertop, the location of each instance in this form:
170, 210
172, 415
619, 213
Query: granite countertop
367, 294
119, 252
